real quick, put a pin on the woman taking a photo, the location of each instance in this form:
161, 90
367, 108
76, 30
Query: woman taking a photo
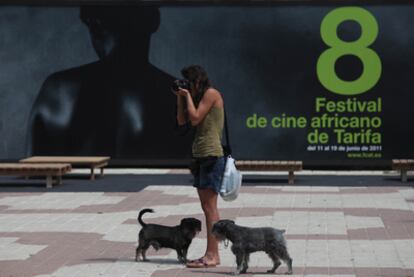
202, 106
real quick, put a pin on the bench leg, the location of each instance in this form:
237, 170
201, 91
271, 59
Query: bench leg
59, 180
49, 181
102, 171
291, 178
92, 173
403, 176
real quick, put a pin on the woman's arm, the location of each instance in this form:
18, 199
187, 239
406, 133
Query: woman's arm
181, 114
196, 115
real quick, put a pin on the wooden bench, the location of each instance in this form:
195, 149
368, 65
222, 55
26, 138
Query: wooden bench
403, 166
290, 166
44, 169
91, 162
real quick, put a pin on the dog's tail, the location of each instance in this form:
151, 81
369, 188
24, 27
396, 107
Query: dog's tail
141, 213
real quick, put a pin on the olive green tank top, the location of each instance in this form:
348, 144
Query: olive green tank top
207, 140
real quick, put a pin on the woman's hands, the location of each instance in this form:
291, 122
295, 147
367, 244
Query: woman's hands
182, 102
183, 92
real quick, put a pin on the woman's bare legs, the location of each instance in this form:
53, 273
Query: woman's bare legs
208, 199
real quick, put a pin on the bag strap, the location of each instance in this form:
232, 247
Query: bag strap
227, 147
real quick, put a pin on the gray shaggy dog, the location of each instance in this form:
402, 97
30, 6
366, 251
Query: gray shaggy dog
248, 240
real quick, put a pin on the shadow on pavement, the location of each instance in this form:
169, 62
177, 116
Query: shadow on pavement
107, 183
136, 183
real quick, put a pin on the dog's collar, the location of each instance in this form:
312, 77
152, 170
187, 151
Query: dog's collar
226, 243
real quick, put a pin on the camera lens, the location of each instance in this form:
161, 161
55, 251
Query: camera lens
184, 84
175, 86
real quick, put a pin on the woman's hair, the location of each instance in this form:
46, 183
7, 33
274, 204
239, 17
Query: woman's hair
194, 74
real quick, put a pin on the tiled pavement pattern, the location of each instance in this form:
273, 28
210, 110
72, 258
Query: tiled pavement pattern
331, 230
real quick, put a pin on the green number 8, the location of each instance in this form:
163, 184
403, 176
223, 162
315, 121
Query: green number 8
372, 67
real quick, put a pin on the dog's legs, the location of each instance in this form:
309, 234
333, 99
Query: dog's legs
185, 251
276, 262
144, 257
245, 263
141, 249
240, 258
284, 255
180, 255
137, 253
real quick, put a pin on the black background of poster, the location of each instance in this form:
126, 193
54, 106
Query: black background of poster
262, 57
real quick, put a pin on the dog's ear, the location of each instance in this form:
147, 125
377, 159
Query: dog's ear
223, 227
186, 222
227, 222
190, 227
191, 223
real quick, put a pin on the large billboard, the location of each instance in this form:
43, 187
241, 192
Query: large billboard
328, 83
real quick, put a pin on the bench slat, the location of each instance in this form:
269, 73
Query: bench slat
33, 167
271, 165
79, 160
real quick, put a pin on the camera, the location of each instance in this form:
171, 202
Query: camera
184, 84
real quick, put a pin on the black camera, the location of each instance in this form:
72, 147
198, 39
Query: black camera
184, 84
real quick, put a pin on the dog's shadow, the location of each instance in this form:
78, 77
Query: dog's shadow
209, 272
229, 271
162, 261
132, 260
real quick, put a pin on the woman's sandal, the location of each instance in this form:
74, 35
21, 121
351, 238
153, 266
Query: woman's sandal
200, 263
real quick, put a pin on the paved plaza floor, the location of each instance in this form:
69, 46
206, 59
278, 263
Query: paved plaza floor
336, 225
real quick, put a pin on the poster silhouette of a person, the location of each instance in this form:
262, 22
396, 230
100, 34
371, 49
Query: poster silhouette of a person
120, 105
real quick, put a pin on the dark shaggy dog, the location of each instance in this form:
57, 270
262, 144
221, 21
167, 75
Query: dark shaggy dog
247, 240
178, 237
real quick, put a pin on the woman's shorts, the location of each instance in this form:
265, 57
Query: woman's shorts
208, 172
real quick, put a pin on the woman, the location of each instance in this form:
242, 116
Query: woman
202, 105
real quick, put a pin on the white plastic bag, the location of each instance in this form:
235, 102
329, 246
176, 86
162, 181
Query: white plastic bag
231, 182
